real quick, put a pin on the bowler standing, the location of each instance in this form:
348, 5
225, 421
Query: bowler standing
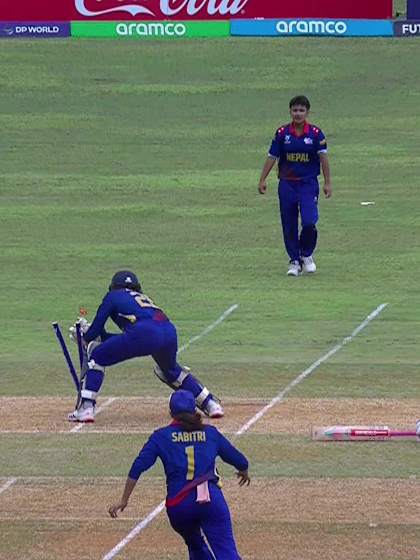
300, 149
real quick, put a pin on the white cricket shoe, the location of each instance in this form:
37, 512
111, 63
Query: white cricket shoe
213, 409
418, 429
308, 264
294, 268
85, 413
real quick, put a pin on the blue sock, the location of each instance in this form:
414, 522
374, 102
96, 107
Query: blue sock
191, 384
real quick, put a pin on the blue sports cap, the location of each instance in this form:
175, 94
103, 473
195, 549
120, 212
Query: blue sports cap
182, 401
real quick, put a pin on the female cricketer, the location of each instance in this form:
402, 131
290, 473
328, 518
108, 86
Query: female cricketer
300, 148
146, 331
194, 504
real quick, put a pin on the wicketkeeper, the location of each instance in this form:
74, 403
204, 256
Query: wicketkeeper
146, 331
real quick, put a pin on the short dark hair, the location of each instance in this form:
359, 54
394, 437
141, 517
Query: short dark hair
300, 100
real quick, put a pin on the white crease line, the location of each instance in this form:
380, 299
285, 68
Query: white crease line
99, 409
77, 479
141, 399
100, 431
209, 328
280, 397
138, 528
184, 347
7, 484
158, 481
134, 532
40, 518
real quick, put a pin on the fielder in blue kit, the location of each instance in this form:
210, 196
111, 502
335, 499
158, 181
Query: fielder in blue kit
195, 504
146, 331
300, 149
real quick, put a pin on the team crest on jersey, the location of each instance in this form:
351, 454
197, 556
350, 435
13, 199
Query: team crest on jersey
287, 139
308, 141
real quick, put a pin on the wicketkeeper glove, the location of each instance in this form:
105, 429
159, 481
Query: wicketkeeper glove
84, 327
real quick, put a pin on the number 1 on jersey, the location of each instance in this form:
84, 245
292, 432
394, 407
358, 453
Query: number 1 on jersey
191, 462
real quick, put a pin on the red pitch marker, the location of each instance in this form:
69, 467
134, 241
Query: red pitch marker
359, 433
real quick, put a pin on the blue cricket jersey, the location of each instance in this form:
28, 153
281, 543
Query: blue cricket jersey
186, 455
298, 156
125, 307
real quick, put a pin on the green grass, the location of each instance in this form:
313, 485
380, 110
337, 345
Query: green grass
275, 456
147, 156
400, 8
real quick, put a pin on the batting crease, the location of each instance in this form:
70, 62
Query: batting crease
276, 400
7, 484
184, 347
99, 409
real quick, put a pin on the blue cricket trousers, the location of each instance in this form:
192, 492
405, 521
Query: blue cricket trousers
191, 519
146, 338
299, 197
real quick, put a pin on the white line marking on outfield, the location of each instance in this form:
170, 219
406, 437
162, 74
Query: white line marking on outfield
96, 431
7, 484
134, 532
66, 519
157, 399
138, 528
184, 347
210, 327
307, 372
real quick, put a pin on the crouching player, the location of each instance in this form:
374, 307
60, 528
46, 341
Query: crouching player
194, 504
147, 331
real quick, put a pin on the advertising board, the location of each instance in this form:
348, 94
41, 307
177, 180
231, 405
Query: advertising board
407, 28
315, 27
413, 9
75, 10
39, 29
150, 29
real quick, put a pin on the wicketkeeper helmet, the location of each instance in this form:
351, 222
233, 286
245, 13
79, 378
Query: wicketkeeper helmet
125, 279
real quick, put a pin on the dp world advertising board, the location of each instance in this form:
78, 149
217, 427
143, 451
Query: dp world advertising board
48, 29
158, 10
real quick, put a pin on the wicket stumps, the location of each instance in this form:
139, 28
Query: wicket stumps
66, 353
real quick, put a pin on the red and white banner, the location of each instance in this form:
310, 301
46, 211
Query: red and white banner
70, 10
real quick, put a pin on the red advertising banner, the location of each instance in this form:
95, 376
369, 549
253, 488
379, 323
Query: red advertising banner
71, 10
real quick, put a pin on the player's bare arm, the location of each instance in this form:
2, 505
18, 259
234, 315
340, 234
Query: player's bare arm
268, 166
325, 166
122, 504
